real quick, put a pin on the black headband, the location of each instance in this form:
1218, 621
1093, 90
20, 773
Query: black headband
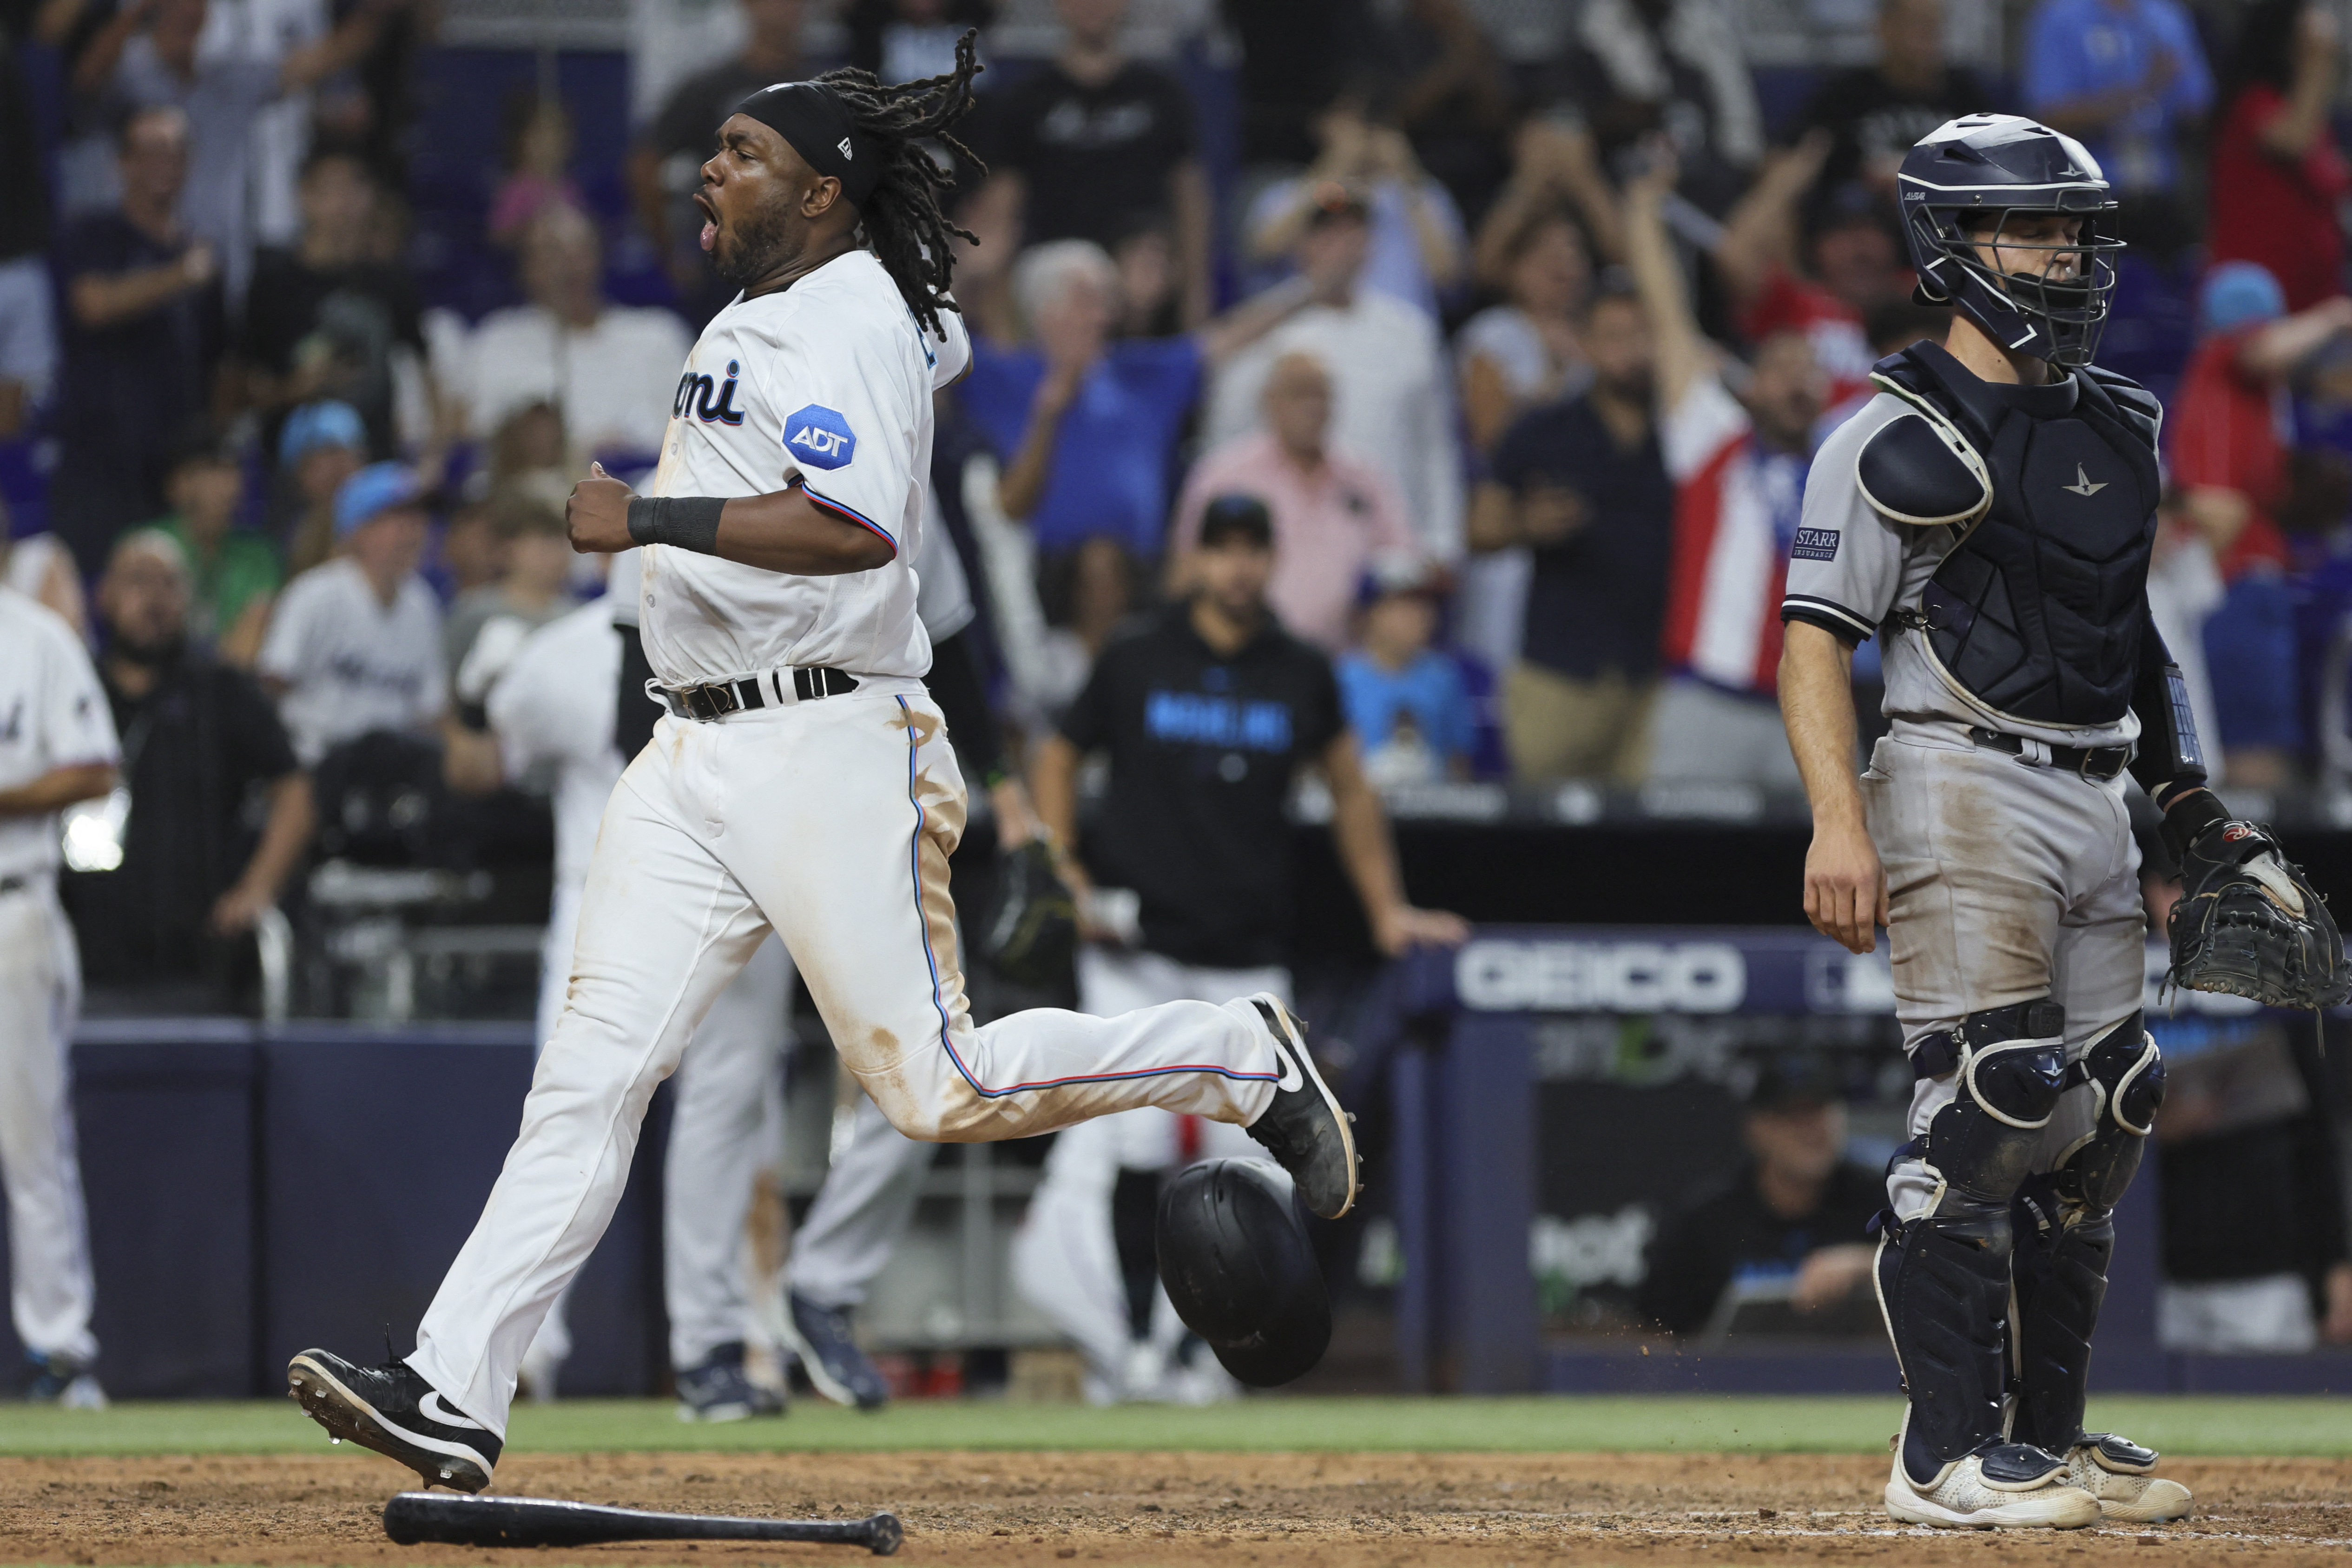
811, 117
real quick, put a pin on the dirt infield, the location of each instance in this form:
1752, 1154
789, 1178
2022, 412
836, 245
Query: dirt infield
1162, 1509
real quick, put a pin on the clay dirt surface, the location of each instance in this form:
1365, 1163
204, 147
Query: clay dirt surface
1175, 1510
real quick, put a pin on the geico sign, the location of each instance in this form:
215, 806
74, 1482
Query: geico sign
1601, 977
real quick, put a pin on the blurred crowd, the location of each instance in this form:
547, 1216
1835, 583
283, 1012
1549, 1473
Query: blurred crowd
1518, 357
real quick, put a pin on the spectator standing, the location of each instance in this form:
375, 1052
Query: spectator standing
538, 151
1639, 68
1387, 366
1739, 464
1094, 141
1525, 352
1856, 265
1334, 516
1417, 252
1581, 487
355, 644
28, 327
1405, 699
319, 446
1791, 1226
2229, 458
142, 334
57, 749
1206, 713
220, 812
2277, 180
1090, 424
147, 56
326, 320
1292, 58
2125, 78
611, 371
1512, 356
532, 589
1453, 98
1874, 113
233, 571
665, 166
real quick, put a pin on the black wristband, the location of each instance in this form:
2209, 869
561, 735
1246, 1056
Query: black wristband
689, 522
2190, 816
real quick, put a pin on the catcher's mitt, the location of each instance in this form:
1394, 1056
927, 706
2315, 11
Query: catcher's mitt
1031, 935
2248, 923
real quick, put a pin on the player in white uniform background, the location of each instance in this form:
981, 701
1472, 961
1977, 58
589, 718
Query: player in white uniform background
57, 747
802, 783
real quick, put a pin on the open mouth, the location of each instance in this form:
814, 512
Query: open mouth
710, 221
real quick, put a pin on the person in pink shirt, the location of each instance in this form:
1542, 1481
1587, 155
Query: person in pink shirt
1334, 516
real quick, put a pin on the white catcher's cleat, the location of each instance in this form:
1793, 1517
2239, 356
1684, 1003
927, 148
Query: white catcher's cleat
2117, 1472
2005, 1486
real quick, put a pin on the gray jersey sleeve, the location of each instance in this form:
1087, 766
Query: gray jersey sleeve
1846, 566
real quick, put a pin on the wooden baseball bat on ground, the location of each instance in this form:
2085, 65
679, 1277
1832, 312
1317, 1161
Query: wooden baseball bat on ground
461, 1521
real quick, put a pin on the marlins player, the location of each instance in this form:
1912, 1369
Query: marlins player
551, 711
1991, 513
57, 747
802, 783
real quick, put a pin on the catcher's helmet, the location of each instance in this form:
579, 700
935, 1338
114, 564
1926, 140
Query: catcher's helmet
1973, 173
1240, 1271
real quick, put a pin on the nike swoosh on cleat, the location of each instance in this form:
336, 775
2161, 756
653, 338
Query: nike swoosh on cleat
435, 1408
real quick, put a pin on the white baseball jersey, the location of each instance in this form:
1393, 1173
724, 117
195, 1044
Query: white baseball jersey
826, 384
351, 664
53, 714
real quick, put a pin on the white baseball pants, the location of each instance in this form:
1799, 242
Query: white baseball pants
829, 823
50, 1289
1066, 1256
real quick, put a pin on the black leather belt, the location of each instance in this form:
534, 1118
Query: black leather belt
722, 698
2100, 762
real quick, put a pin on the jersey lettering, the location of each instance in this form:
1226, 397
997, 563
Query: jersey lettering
1190, 718
694, 391
820, 438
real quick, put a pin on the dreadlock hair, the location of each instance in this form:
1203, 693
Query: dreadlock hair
902, 220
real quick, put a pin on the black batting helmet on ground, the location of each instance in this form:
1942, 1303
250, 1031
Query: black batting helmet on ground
1240, 1271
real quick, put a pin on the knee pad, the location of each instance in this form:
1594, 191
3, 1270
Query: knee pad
2125, 1071
2010, 1082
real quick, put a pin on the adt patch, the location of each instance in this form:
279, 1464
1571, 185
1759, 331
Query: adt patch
1816, 545
819, 437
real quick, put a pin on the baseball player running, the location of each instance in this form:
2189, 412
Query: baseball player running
57, 747
802, 783
1991, 511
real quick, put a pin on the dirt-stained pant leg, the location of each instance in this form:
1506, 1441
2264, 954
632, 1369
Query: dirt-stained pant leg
839, 817
2006, 883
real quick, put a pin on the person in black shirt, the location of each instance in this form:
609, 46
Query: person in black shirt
1582, 486
323, 319
1876, 113
1207, 712
1789, 1226
1098, 144
219, 810
143, 320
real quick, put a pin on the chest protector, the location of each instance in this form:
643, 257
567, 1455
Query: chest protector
2036, 612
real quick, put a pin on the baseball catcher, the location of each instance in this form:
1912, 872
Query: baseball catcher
1990, 515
